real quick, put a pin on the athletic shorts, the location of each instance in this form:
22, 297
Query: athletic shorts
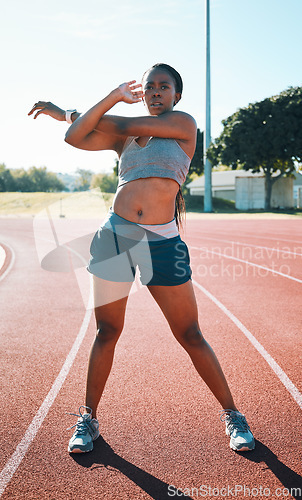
120, 247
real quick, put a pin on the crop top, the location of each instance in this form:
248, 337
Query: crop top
159, 158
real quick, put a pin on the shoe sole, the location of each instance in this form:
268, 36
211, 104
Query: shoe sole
78, 450
243, 448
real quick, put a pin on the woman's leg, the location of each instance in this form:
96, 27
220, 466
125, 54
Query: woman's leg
179, 306
110, 303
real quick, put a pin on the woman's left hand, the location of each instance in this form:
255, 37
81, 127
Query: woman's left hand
129, 92
48, 108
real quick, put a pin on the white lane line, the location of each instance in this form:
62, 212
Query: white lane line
253, 236
281, 239
288, 384
32, 430
248, 245
249, 263
13, 257
2, 256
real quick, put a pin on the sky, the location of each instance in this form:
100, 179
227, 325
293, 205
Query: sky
73, 53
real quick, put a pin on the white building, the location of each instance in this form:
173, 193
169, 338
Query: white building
298, 190
224, 186
223, 183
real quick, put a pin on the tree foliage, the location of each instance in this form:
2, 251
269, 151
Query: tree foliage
84, 179
197, 165
106, 182
32, 180
263, 137
7, 182
115, 168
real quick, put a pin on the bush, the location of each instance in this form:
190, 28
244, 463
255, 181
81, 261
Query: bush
106, 182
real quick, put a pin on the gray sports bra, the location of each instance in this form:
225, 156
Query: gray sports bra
159, 158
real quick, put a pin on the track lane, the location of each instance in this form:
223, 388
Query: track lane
162, 424
265, 229
277, 269
36, 335
284, 379
159, 421
241, 289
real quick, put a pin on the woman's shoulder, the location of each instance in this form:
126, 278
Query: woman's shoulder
185, 115
184, 118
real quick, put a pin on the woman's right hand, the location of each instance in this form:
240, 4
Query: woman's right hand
129, 92
48, 108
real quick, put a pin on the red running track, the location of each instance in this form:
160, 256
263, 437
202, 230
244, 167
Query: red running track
160, 427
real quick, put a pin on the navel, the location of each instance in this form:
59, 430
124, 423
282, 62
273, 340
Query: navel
140, 212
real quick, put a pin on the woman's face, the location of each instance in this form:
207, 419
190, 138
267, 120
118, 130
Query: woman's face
159, 89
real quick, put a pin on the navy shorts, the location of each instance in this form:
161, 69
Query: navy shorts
119, 247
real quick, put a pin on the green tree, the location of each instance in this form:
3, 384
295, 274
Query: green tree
115, 168
44, 181
36, 179
23, 182
263, 137
197, 165
54, 184
106, 182
38, 176
84, 180
7, 182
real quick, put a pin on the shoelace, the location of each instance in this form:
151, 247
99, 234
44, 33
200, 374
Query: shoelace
234, 420
82, 424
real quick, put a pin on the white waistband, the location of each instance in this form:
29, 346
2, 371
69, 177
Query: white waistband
168, 230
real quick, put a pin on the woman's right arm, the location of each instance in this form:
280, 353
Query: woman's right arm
95, 140
82, 134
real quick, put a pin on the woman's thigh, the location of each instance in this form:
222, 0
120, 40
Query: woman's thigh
110, 300
178, 304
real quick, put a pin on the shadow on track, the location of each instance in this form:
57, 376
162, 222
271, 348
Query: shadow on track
290, 479
104, 456
68, 257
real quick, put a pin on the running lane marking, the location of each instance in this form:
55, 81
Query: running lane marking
2, 256
249, 263
245, 235
248, 245
12, 261
15, 460
288, 384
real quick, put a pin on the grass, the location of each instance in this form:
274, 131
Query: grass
94, 204
75, 205
195, 204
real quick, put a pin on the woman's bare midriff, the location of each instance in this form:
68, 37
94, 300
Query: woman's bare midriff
146, 201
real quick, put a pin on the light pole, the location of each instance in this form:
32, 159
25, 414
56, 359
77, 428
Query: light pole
207, 133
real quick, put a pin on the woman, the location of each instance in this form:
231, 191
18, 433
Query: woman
142, 230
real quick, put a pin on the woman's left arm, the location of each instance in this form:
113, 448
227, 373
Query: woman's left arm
169, 125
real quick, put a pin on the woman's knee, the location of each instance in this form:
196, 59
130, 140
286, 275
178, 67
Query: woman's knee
190, 336
108, 333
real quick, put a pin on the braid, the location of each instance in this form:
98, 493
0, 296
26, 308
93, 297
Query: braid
180, 208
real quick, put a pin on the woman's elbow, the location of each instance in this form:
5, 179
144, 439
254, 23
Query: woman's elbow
69, 139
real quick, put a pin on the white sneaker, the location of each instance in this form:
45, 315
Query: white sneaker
87, 431
236, 426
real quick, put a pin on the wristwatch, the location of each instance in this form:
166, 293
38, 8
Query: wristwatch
68, 114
